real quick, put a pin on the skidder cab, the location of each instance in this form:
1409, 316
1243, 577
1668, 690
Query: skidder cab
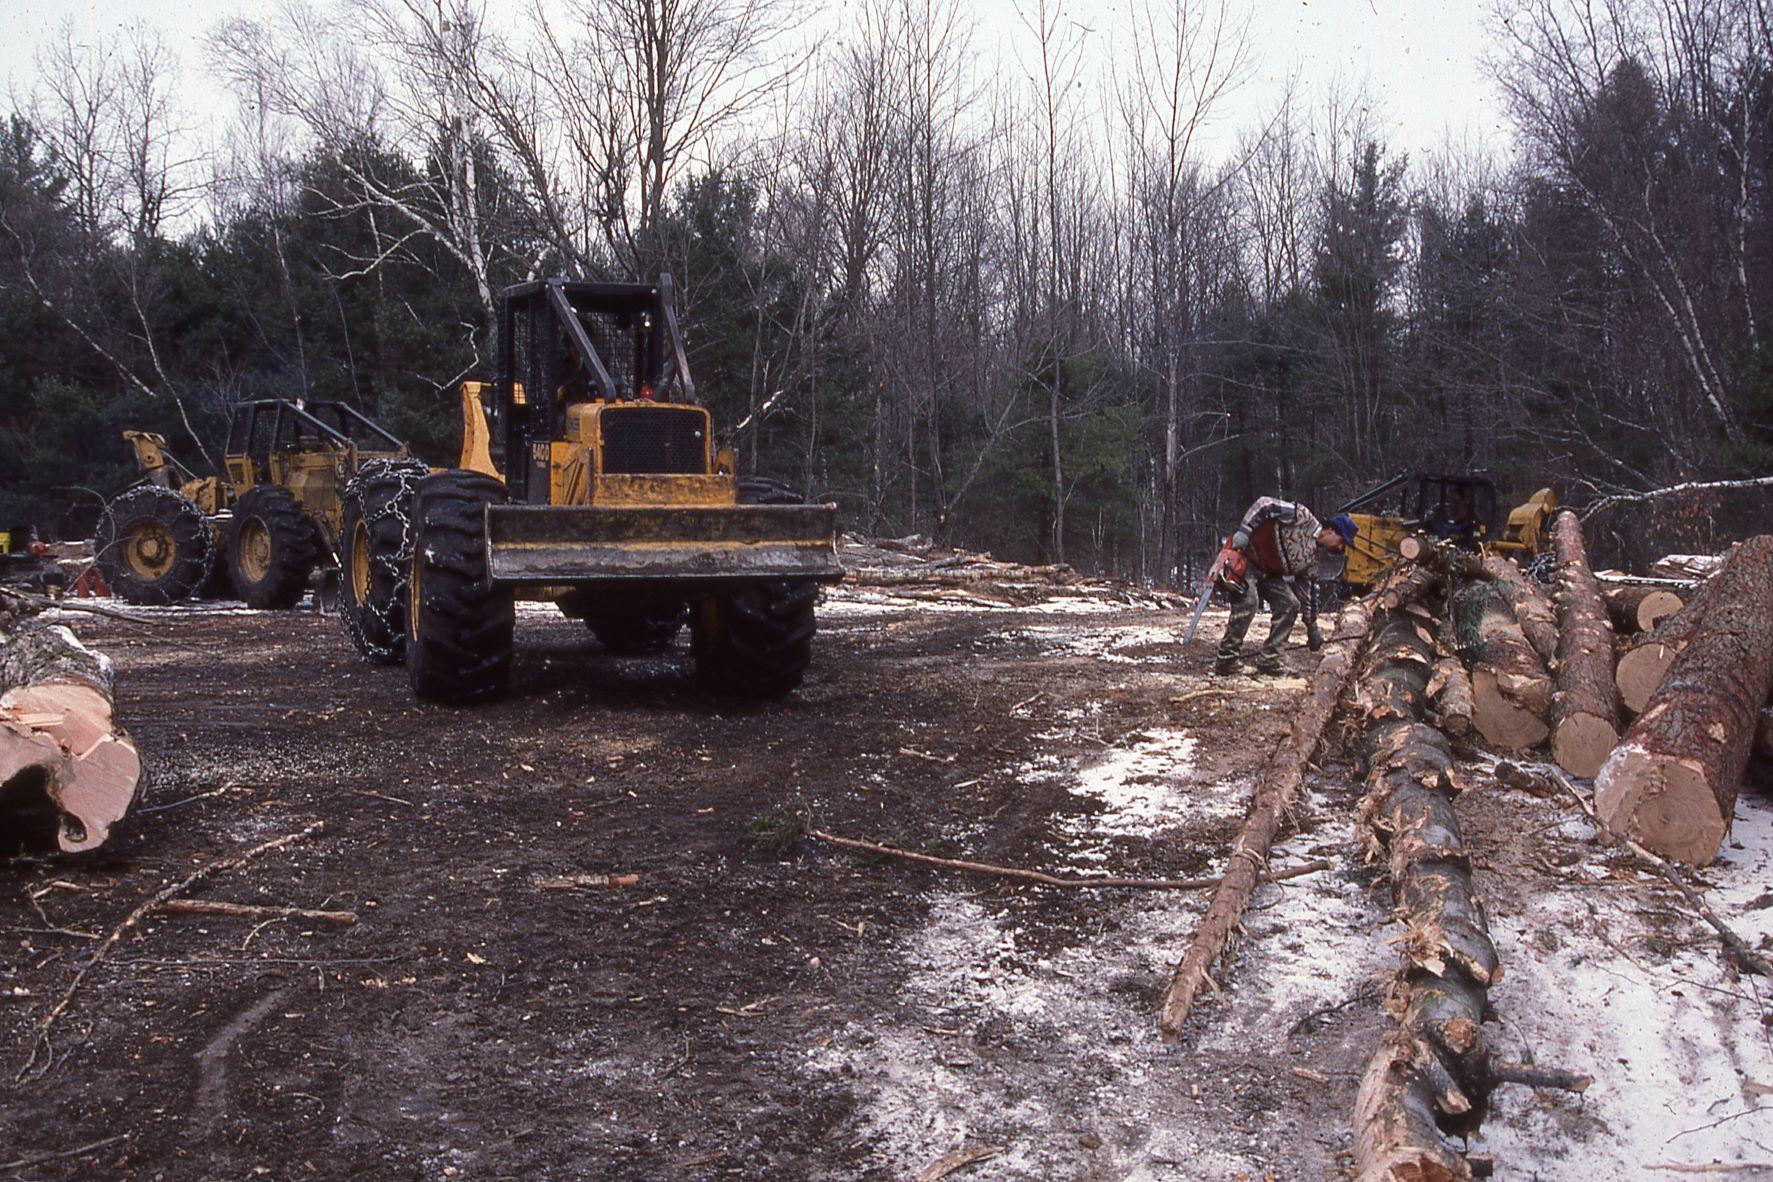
589, 477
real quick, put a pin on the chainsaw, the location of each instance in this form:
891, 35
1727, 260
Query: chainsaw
1228, 571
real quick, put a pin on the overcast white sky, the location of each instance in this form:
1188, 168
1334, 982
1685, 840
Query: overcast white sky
1421, 60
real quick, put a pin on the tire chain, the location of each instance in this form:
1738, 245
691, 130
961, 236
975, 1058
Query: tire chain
407, 474
102, 554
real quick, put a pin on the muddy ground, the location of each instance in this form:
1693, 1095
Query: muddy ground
802, 1014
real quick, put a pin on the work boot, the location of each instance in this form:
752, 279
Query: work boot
1225, 667
1269, 669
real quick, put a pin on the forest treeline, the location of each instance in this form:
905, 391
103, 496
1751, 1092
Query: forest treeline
1013, 308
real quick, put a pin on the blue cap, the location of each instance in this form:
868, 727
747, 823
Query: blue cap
1343, 524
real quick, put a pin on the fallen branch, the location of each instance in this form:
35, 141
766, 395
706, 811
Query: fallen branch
147, 908
1057, 880
39, 1158
1726, 1167
254, 911
960, 1159
1275, 786
1746, 956
42, 603
1674, 490
573, 881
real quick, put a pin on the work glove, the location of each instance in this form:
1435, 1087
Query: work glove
1314, 639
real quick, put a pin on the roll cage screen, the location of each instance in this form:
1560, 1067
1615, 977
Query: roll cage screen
562, 342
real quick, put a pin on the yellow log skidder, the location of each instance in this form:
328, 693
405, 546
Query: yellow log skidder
607, 496
263, 523
1460, 509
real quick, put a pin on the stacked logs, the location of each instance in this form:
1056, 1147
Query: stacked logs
1671, 783
1570, 671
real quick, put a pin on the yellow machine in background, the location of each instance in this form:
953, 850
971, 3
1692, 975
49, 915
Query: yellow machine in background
271, 515
1460, 509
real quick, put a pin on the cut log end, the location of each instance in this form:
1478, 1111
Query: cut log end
61, 739
1581, 744
1641, 609
1663, 800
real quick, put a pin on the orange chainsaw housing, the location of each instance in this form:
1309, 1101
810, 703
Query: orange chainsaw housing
1232, 566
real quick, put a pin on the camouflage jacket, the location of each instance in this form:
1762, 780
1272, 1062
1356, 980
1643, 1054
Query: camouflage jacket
1279, 537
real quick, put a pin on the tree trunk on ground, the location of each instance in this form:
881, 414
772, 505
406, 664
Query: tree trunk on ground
1585, 710
1645, 661
1275, 787
1510, 688
1530, 604
61, 751
1433, 1072
1640, 609
1672, 782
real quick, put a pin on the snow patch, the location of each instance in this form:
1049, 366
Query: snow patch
1136, 786
1682, 1062
954, 1066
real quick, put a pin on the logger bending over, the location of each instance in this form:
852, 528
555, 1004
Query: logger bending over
1276, 541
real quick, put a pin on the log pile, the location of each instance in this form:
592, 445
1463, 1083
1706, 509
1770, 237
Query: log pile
1640, 607
915, 568
1647, 657
1556, 672
1511, 689
65, 763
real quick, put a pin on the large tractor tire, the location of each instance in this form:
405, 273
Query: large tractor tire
459, 627
153, 546
636, 634
375, 553
754, 641
273, 548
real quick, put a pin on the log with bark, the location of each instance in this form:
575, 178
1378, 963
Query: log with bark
1450, 689
1431, 1077
1528, 601
1671, 784
1510, 688
63, 758
1531, 606
1431, 1073
1275, 787
1636, 607
1585, 710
